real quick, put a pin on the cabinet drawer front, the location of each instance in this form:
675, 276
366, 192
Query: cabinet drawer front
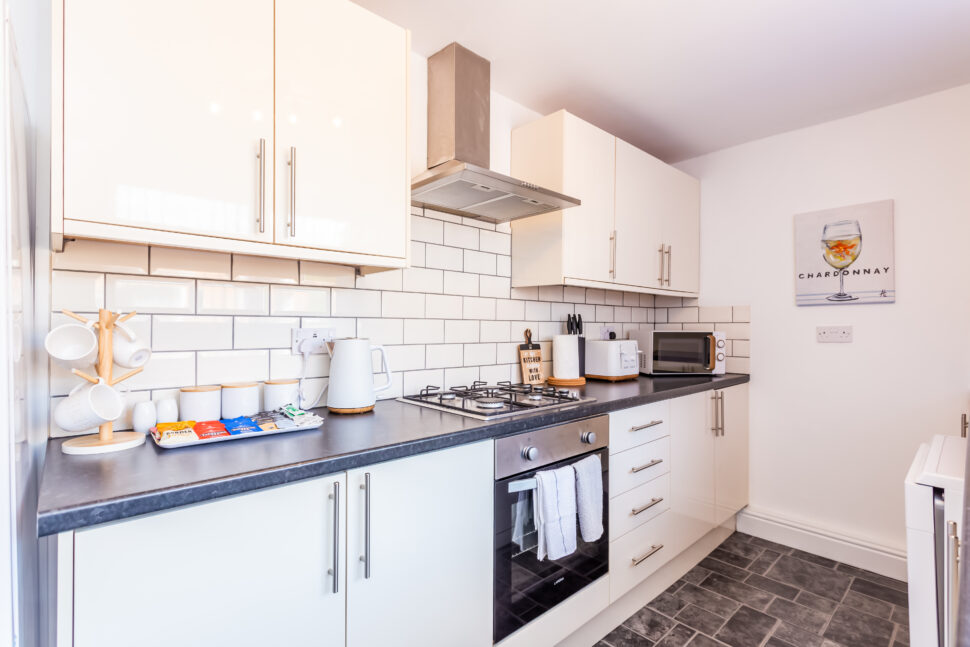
639, 553
632, 427
638, 506
638, 465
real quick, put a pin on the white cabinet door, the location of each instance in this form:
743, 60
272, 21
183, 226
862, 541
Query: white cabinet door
165, 105
731, 452
639, 227
588, 173
692, 441
679, 204
341, 112
250, 570
430, 554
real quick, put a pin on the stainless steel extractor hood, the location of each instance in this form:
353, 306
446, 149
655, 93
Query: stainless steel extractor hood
458, 179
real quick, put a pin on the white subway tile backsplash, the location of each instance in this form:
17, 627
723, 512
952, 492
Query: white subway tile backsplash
509, 309
660, 315
460, 376
668, 326
478, 308
442, 306
149, 294
699, 327
558, 311
500, 373
595, 296
462, 331
344, 326
604, 313
443, 258
631, 299
572, 294
740, 348
503, 265
587, 312
263, 332
424, 331
232, 366
414, 381
646, 301
284, 365
259, 269
77, 291
480, 224
287, 300
503, 227
325, 275
528, 294
441, 215
402, 304
389, 280
538, 311
495, 331
443, 355
494, 286
191, 332
735, 330
460, 236
381, 331
190, 263
479, 354
614, 298
714, 313
461, 283
622, 314
682, 315
547, 329
420, 279
223, 298
101, 256
550, 293
408, 357
737, 365
164, 371
690, 302
639, 315
417, 254
742, 313
664, 301
507, 353
496, 242
426, 230
479, 262
353, 303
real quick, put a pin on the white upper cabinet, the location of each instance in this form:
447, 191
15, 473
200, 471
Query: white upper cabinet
637, 228
341, 111
165, 105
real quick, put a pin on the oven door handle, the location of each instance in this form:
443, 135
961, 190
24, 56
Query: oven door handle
522, 485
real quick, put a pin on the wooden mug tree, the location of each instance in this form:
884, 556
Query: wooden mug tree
107, 440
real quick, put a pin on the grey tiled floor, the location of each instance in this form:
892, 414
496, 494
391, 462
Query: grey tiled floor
754, 593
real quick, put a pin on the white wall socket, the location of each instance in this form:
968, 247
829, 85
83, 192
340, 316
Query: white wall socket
311, 339
833, 334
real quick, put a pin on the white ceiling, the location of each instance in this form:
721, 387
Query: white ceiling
680, 78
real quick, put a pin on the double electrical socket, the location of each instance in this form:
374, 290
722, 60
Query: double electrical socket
311, 340
833, 334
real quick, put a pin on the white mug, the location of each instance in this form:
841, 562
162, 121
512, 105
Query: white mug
143, 416
167, 410
279, 393
240, 400
89, 405
200, 403
73, 345
129, 351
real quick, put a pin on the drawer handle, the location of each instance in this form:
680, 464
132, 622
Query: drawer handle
654, 501
653, 549
653, 423
640, 468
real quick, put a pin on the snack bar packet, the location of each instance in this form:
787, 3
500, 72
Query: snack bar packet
210, 429
240, 425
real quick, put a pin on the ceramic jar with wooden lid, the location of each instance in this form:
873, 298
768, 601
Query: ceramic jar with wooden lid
240, 399
200, 403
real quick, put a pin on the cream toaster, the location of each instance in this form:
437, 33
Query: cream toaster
612, 359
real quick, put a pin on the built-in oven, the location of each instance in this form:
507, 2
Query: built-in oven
675, 352
524, 586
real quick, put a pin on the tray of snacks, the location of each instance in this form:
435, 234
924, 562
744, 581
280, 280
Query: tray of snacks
168, 435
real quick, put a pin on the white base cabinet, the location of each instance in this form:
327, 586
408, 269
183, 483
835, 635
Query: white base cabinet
731, 452
260, 568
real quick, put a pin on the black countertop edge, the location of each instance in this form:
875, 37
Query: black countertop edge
55, 520
963, 614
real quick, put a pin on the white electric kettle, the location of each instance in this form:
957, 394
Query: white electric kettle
351, 388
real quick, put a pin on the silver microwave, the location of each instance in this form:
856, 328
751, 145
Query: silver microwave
675, 352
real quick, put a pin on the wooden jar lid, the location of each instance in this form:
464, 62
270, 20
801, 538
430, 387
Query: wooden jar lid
196, 389
282, 381
239, 385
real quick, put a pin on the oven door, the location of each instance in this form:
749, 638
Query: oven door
524, 587
684, 352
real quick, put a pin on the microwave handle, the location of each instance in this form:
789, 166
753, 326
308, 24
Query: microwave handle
713, 354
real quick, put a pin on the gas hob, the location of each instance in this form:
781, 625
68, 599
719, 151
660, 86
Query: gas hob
488, 402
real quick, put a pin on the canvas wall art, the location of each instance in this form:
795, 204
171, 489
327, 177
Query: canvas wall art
844, 256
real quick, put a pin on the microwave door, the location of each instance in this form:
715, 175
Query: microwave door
684, 353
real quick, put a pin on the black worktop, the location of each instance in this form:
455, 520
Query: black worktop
78, 491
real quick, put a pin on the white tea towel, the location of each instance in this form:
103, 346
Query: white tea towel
589, 496
555, 511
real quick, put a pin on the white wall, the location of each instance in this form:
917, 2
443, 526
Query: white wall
834, 427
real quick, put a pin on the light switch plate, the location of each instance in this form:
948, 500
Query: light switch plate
314, 339
833, 334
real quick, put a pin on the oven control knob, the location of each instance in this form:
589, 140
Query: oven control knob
720, 357
720, 343
530, 453
588, 437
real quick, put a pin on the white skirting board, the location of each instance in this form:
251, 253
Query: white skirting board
884, 560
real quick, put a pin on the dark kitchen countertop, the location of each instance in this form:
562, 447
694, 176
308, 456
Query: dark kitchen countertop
79, 491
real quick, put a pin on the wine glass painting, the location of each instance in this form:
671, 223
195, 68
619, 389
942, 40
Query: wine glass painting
829, 253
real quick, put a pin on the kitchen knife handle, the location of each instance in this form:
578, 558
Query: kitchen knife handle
366, 556
335, 571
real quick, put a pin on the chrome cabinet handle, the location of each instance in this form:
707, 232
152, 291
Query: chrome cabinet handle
716, 428
261, 189
964, 426
653, 549
654, 501
366, 556
292, 165
335, 571
613, 254
670, 248
640, 468
721, 410
652, 423
660, 279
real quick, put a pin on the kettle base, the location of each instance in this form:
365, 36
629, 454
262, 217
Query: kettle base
356, 410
